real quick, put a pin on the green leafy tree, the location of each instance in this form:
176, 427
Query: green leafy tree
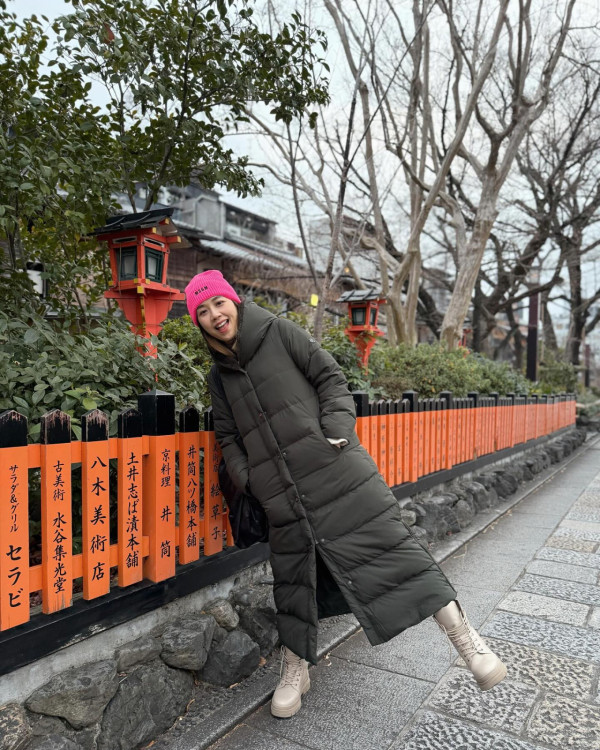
56, 170
174, 78
178, 75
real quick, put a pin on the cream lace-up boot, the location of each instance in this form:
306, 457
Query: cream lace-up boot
485, 666
294, 682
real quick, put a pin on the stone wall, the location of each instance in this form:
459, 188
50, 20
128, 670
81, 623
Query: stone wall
128, 699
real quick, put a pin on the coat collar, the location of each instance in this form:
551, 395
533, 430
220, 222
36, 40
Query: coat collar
253, 322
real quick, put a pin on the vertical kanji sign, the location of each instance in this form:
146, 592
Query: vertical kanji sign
129, 519
213, 502
95, 536
189, 485
57, 534
158, 419
14, 525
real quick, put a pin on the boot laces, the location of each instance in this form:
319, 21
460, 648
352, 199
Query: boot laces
290, 672
465, 639
467, 642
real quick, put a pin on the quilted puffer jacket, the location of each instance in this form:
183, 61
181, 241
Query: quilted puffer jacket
337, 540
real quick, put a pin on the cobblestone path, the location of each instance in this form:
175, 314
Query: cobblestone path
531, 584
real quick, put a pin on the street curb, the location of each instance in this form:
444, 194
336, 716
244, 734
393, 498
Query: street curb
222, 721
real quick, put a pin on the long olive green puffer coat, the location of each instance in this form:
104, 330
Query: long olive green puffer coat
335, 526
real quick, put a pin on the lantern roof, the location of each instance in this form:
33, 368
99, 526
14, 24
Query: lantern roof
143, 220
360, 295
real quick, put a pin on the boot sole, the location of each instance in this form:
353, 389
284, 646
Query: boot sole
289, 711
493, 678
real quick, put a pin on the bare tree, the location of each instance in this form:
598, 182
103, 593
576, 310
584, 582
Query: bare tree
519, 91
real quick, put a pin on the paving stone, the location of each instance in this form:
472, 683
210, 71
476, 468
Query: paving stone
586, 526
569, 556
565, 541
584, 593
547, 671
375, 706
435, 732
505, 707
546, 607
589, 498
568, 530
245, 738
562, 570
569, 640
583, 515
420, 652
511, 743
481, 572
562, 722
521, 550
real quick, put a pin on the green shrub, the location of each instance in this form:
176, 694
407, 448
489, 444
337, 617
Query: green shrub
49, 365
431, 368
556, 376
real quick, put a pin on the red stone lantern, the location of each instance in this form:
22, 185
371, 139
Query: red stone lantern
363, 312
139, 246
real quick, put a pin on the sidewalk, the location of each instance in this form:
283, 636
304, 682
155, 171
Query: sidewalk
529, 582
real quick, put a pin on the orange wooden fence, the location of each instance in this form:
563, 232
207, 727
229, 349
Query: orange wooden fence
169, 508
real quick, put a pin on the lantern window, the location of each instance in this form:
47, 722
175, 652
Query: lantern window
373, 315
127, 263
359, 316
154, 265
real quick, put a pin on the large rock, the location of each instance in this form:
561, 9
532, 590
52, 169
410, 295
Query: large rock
487, 480
142, 650
255, 606
506, 483
14, 728
556, 453
440, 518
43, 726
185, 644
231, 659
146, 704
464, 513
224, 613
534, 463
78, 695
409, 517
53, 742
480, 495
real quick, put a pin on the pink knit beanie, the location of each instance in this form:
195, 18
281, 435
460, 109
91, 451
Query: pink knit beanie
204, 286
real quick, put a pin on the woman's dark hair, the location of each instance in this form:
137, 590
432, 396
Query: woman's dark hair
216, 346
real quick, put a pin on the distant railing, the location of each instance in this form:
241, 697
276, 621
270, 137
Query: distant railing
410, 438
166, 506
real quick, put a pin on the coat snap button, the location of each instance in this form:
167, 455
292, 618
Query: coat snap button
284, 454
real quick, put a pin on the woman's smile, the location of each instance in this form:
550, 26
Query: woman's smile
218, 316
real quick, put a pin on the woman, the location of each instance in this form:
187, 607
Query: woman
338, 543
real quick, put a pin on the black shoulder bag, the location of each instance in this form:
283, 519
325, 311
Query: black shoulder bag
248, 520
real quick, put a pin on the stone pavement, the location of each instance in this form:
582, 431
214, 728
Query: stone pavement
530, 583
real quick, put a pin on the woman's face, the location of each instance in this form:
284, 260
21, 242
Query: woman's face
218, 316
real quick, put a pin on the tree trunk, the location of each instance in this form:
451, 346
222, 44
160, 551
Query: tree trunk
549, 341
470, 264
